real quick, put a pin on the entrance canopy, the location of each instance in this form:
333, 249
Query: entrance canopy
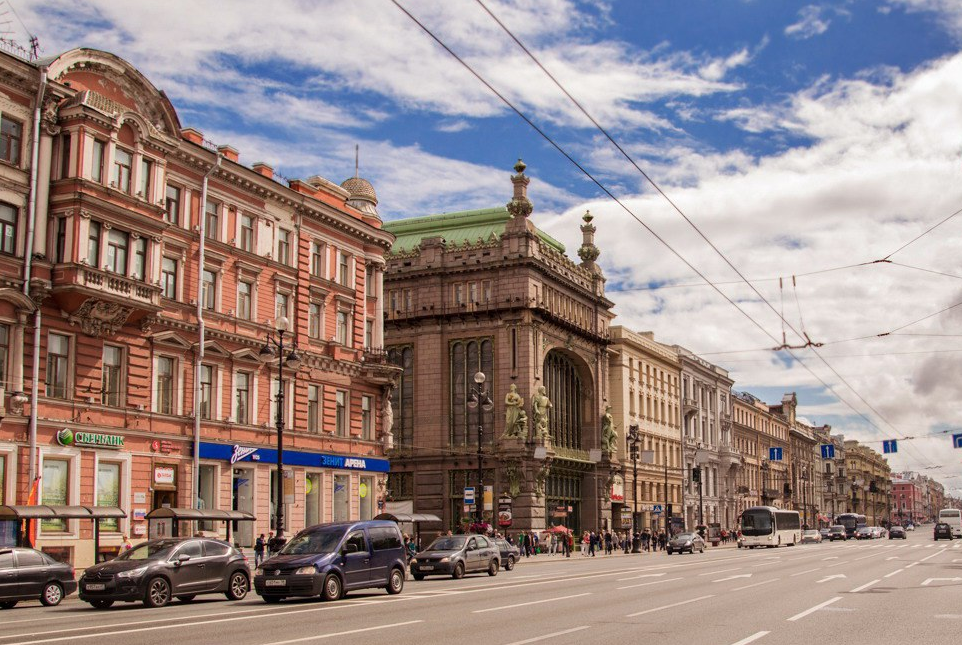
196, 515
61, 512
408, 517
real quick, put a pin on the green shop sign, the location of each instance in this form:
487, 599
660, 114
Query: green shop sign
68, 437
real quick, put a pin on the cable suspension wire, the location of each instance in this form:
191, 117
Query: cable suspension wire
921, 235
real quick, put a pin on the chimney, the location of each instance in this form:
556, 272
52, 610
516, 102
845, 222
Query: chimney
192, 135
262, 168
229, 152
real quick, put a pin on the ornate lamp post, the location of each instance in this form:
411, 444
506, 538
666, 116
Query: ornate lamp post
480, 395
632, 437
286, 355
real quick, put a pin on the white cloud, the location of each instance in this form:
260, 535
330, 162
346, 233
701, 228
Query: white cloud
811, 23
950, 11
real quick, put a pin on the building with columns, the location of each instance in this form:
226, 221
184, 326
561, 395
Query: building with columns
834, 487
139, 283
870, 480
485, 292
757, 429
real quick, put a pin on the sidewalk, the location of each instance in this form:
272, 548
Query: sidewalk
576, 555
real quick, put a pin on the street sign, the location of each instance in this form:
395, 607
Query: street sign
890, 446
774, 454
656, 508
957, 440
828, 451
469, 495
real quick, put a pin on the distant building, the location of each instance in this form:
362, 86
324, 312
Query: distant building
761, 481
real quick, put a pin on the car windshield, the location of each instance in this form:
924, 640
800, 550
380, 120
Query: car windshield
865, 529
313, 542
838, 528
684, 536
448, 543
154, 550
811, 532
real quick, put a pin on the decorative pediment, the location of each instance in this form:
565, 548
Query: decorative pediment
172, 338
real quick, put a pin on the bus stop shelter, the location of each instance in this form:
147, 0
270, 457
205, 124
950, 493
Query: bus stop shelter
20, 514
411, 518
177, 515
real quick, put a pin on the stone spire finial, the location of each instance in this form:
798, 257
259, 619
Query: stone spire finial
520, 205
588, 251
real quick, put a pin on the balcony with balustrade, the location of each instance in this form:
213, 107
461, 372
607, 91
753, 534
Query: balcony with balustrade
101, 301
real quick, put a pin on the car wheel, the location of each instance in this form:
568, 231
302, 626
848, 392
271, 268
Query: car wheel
333, 589
51, 595
493, 568
396, 582
669, 551
458, 571
509, 565
270, 600
101, 604
186, 598
8, 604
237, 586
158, 592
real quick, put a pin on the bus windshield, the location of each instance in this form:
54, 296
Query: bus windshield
757, 522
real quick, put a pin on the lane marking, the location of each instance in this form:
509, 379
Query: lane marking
814, 609
751, 639
827, 578
646, 575
674, 604
833, 557
552, 635
757, 584
645, 584
804, 572
711, 573
744, 575
526, 604
360, 630
929, 581
889, 575
865, 586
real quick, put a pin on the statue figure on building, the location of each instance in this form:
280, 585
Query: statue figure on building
515, 420
513, 475
540, 404
387, 418
609, 438
541, 480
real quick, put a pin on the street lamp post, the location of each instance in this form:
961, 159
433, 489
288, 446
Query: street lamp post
286, 355
480, 395
633, 435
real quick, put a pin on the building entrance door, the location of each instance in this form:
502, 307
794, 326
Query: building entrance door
243, 500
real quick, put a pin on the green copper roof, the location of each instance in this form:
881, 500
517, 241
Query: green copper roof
456, 228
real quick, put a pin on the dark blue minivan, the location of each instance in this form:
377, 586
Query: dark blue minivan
328, 560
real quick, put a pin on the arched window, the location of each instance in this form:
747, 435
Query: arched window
564, 390
467, 357
402, 397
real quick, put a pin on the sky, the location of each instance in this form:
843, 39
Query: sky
796, 149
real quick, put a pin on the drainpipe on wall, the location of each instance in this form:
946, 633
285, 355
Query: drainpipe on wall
202, 216
27, 270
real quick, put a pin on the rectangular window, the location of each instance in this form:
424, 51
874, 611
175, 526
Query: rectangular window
11, 139
367, 421
340, 417
317, 259
342, 501
313, 408
369, 281
165, 385
172, 213
65, 156
207, 494
146, 170
342, 269
58, 365
168, 278
139, 270
4, 353
313, 499
120, 175
60, 243
117, 242
93, 244
341, 335
473, 292
206, 391
108, 493
314, 320
408, 300
247, 233
368, 333
281, 308
211, 221
459, 293
242, 396
55, 490
244, 293
97, 157
8, 229
112, 381
283, 246
365, 495
210, 289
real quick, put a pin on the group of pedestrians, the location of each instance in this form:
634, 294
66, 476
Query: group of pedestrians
266, 548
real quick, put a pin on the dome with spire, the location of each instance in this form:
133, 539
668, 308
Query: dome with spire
363, 197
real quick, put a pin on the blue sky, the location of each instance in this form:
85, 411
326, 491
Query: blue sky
797, 136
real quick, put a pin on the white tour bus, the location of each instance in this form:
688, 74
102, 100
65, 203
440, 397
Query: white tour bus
769, 526
952, 517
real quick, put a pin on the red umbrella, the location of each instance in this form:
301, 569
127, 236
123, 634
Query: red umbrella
559, 529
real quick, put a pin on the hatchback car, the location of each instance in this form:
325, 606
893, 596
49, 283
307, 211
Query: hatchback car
456, 555
682, 542
509, 553
897, 531
158, 570
837, 532
328, 560
942, 530
864, 533
824, 531
26, 574
811, 536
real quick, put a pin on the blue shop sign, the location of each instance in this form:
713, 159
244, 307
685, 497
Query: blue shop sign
236, 453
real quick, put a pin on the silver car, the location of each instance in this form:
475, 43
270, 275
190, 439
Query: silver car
682, 542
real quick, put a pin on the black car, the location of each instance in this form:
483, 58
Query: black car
26, 574
942, 530
896, 531
329, 560
509, 553
837, 532
158, 570
455, 555
682, 542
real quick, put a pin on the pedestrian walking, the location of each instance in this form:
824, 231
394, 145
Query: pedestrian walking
259, 545
272, 546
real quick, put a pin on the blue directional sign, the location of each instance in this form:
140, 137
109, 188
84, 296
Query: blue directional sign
656, 508
774, 454
890, 446
828, 451
957, 440
469, 495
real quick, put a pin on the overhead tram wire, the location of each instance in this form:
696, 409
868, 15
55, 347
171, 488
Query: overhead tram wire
634, 216
921, 235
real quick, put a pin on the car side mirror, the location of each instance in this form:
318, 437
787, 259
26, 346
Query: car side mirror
349, 548
182, 559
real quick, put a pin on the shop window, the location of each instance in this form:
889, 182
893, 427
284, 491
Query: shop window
108, 493
342, 500
11, 139
365, 493
55, 491
207, 492
8, 229
313, 499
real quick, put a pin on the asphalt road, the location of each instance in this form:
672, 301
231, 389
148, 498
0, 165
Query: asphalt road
852, 592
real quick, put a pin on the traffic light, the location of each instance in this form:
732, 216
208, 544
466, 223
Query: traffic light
787, 490
667, 510
696, 475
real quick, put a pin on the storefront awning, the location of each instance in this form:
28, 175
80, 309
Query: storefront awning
190, 514
60, 512
408, 517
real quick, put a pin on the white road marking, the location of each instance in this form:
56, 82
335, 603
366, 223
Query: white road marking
929, 581
865, 586
950, 616
929, 546
833, 557
646, 575
744, 575
894, 557
827, 578
360, 630
757, 584
814, 609
532, 602
552, 635
751, 639
955, 546
675, 604
711, 573
889, 575
800, 573
645, 584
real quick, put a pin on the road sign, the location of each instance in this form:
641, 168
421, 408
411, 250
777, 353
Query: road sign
774, 454
828, 451
957, 440
890, 445
657, 508
469, 495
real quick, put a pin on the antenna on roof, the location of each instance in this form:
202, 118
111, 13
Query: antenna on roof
357, 153
8, 41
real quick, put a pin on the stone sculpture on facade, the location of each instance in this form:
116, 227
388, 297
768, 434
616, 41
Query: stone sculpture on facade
540, 404
513, 475
515, 420
387, 418
609, 438
541, 479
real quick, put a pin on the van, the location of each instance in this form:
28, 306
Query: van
952, 517
328, 560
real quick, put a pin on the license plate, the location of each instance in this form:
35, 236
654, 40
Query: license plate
427, 567
96, 587
275, 583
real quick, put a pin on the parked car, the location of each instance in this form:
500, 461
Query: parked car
942, 530
837, 532
509, 553
897, 532
811, 536
26, 574
682, 542
328, 560
864, 533
158, 570
456, 555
